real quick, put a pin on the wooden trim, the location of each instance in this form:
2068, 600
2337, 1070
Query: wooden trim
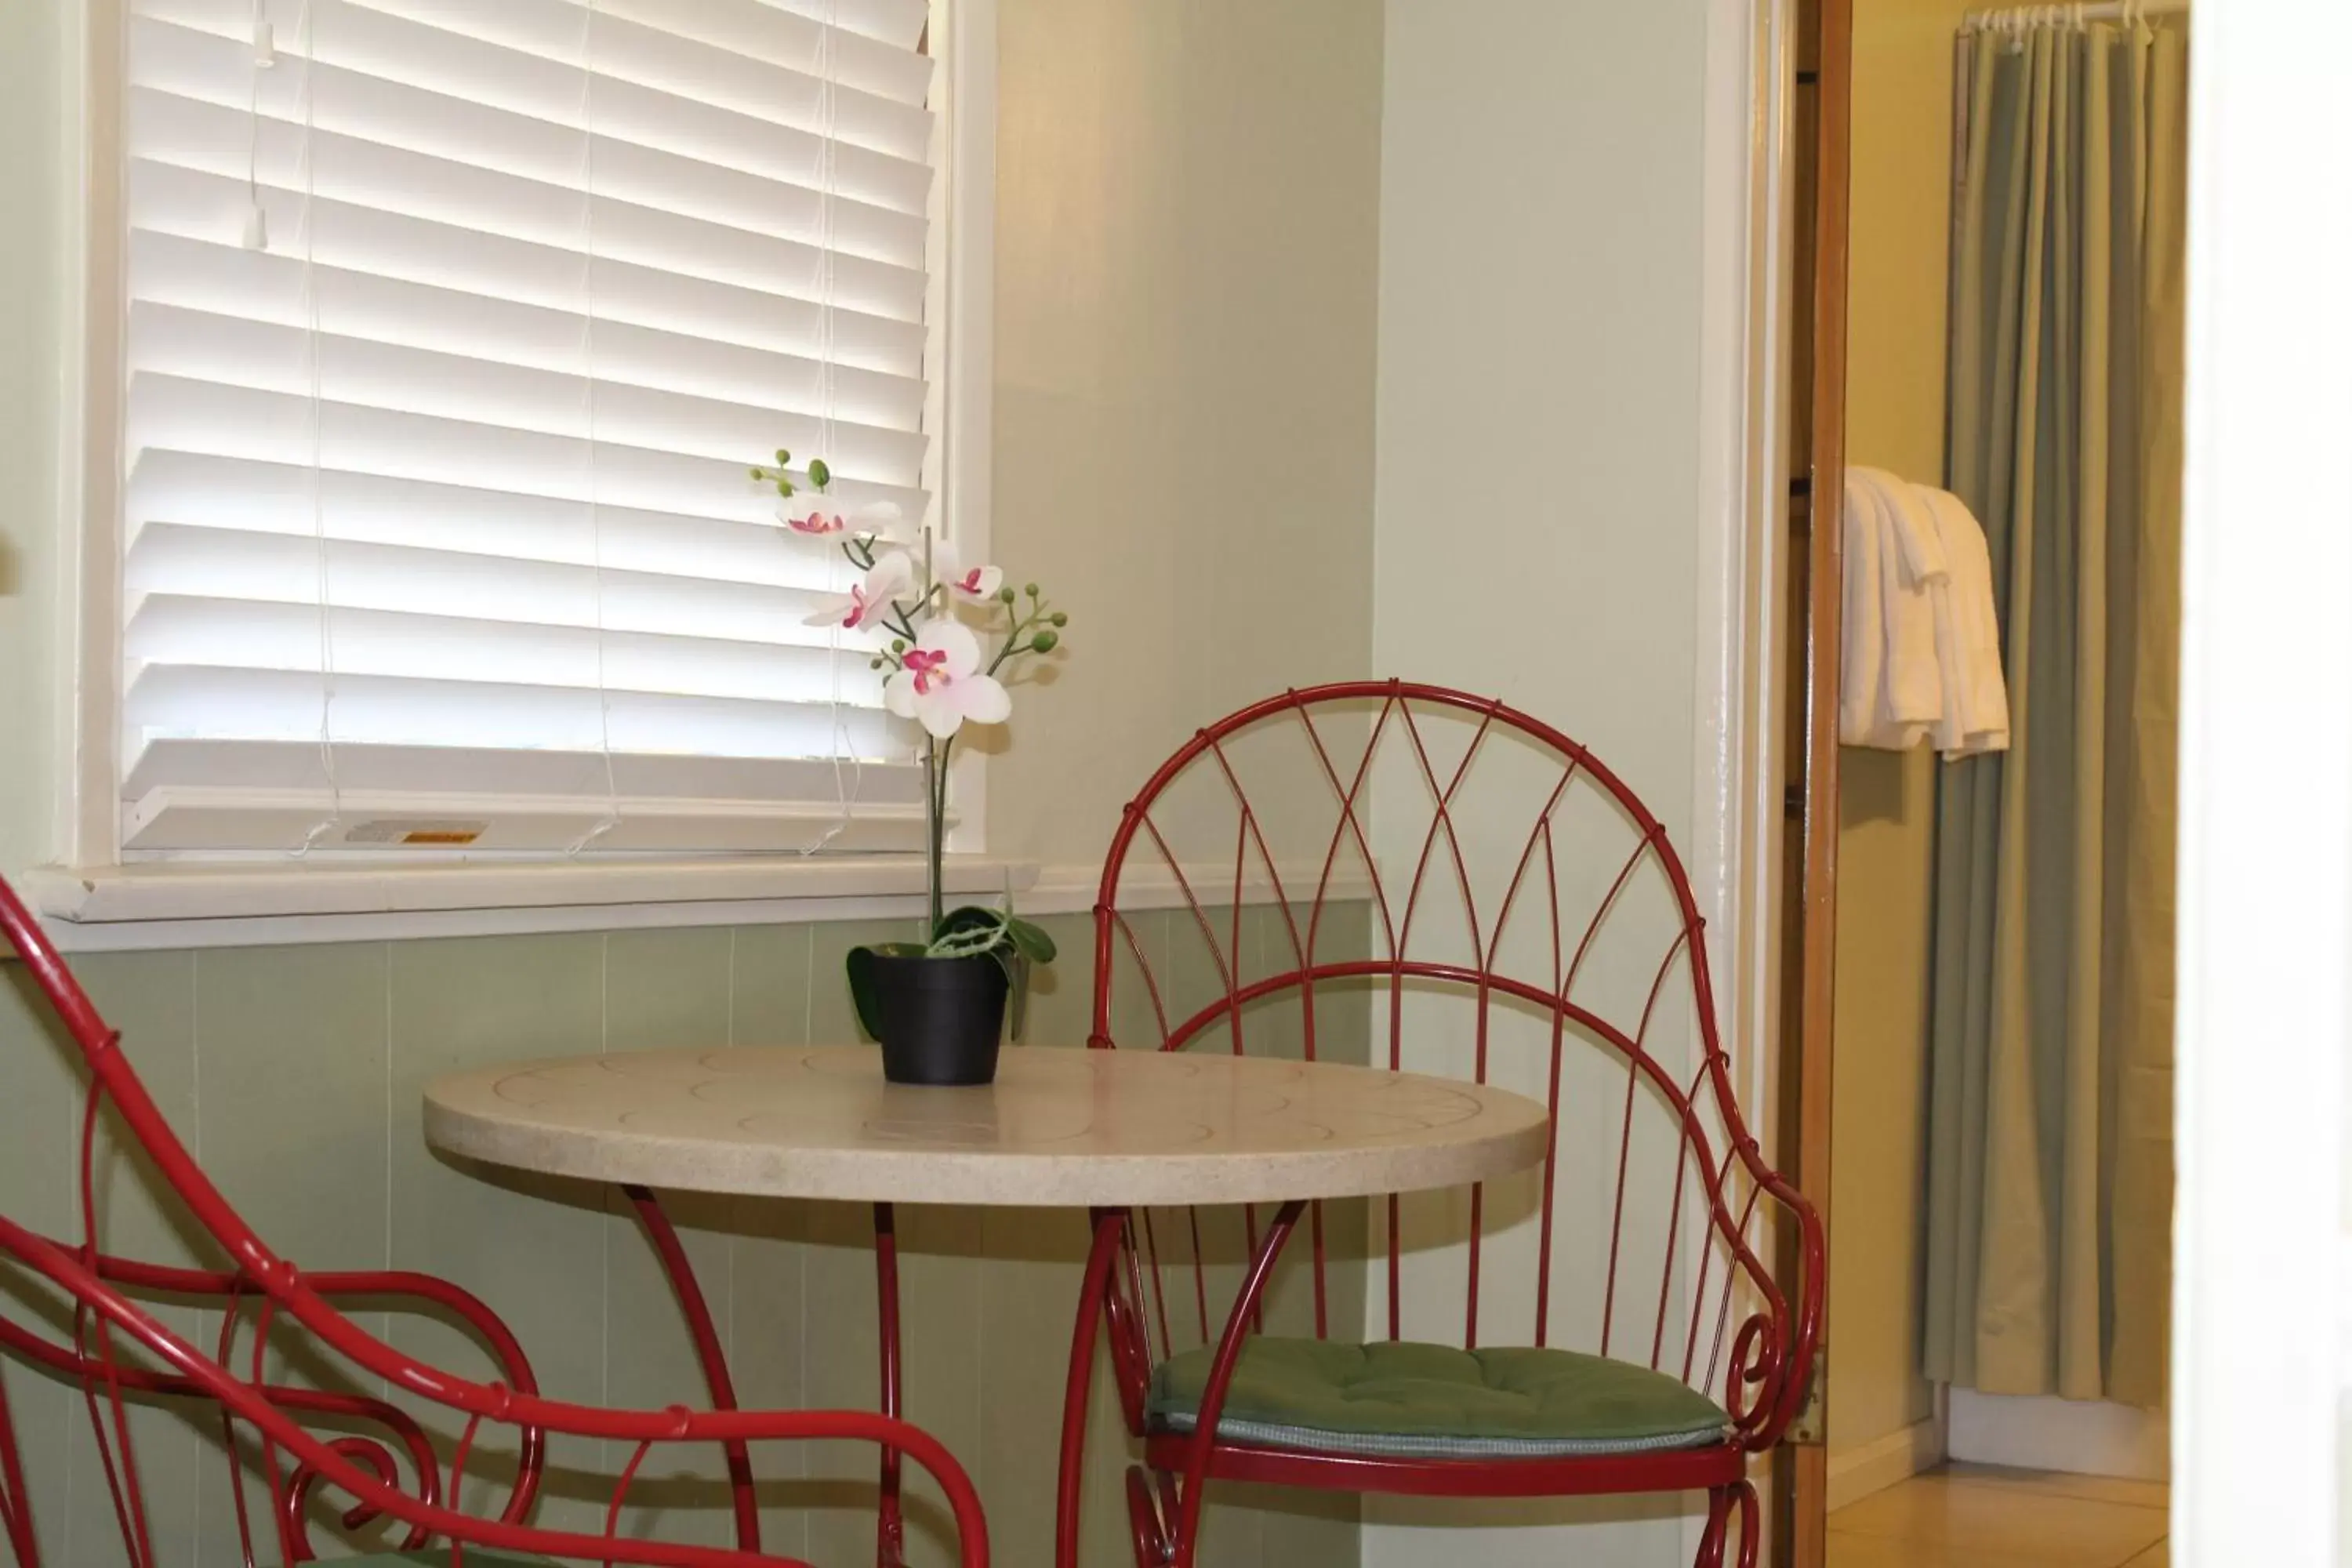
1826, 52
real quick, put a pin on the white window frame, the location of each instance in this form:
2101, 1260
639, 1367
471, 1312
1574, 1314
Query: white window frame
95, 899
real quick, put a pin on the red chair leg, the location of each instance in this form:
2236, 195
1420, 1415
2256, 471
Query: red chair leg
15, 1501
1152, 1547
890, 1525
1109, 1224
1718, 1521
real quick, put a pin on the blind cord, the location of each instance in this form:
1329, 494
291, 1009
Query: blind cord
315, 473
846, 789
612, 818
265, 56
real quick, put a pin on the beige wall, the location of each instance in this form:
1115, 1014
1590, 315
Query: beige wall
32, 278
1187, 242
1538, 530
1895, 419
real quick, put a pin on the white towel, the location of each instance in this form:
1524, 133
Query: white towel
1975, 716
1892, 685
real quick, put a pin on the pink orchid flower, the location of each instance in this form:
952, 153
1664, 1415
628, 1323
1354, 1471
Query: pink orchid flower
941, 684
867, 603
818, 513
970, 582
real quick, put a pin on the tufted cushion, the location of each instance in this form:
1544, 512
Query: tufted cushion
1423, 1401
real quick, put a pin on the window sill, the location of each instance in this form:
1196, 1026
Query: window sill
182, 904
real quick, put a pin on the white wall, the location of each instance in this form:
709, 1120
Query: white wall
1538, 507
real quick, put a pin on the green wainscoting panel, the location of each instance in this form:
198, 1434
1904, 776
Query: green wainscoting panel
296, 1074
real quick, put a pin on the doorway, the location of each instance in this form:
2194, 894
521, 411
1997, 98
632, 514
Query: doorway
1970, 1090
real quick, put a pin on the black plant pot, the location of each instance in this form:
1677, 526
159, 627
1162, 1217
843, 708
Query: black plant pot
940, 1019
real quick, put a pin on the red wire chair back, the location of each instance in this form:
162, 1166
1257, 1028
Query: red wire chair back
114, 1348
1501, 907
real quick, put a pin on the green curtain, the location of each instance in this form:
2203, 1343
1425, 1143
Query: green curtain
2050, 1158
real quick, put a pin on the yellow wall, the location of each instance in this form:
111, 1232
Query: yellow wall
1895, 419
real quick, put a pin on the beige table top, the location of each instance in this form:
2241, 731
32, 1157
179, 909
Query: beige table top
1058, 1127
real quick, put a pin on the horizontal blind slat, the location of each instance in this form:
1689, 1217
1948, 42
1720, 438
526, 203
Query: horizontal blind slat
290, 569
194, 702
197, 491
822, 203
195, 413
220, 281
868, 97
232, 422
490, 770
204, 208
783, 38
175, 629
209, 43
186, 132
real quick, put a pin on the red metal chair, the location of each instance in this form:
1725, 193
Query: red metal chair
109, 1330
1555, 989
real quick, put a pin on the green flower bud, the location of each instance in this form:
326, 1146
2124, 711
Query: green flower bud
759, 473
897, 645
874, 663
1044, 642
782, 457
1031, 590
1059, 619
1005, 594
819, 474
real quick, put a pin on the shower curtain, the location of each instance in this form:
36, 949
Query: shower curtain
2050, 1159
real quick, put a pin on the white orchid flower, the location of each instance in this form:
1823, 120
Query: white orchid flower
867, 603
941, 684
968, 581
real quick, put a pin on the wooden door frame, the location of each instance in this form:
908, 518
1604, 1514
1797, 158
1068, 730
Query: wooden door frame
1809, 965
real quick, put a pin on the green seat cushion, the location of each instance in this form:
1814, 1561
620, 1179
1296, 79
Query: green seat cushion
1407, 1400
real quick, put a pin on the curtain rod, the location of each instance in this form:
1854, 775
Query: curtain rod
2052, 15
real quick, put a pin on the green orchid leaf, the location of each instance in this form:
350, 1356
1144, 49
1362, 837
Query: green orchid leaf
1031, 940
1017, 945
863, 993
1016, 975
967, 931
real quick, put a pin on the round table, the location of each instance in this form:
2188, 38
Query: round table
1105, 1131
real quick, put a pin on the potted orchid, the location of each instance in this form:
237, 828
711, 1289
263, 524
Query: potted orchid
951, 633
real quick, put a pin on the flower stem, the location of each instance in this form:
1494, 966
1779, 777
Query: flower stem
934, 757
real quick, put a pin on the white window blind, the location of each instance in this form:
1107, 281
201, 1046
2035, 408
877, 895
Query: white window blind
454, 326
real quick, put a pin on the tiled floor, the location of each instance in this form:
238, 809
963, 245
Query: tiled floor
1973, 1516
